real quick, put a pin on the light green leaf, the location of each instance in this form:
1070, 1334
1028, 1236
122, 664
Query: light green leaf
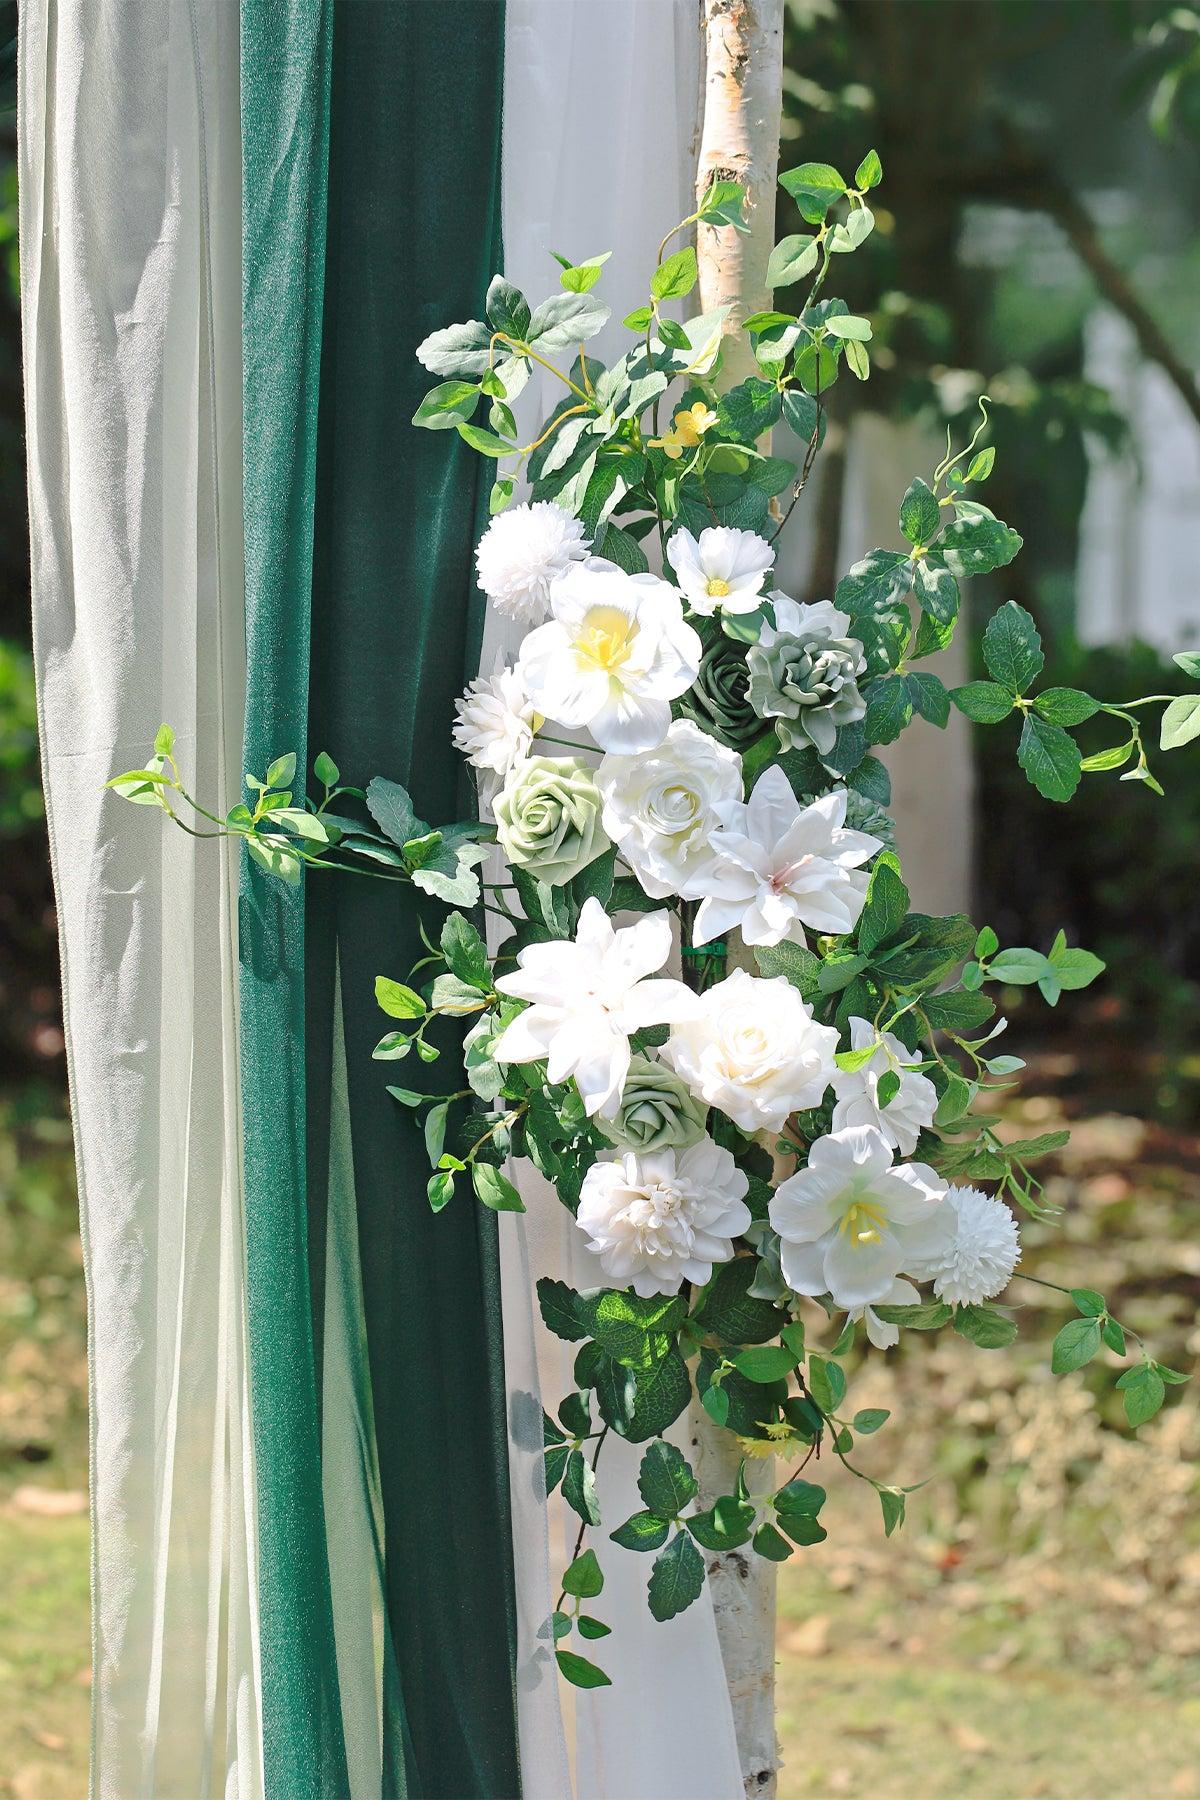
869, 172
397, 1000
1075, 1344
447, 406
791, 259
675, 275
495, 1189
1180, 722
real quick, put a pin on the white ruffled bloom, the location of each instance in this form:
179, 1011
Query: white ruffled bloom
613, 657
587, 998
522, 553
984, 1249
753, 1049
781, 867
850, 1221
661, 808
722, 570
496, 722
904, 1116
883, 1335
657, 1221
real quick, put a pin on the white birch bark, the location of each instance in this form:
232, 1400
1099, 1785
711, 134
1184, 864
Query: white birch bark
743, 91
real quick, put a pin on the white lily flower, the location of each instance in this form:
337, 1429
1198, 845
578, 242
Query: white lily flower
662, 807
613, 657
722, 570
850, 1221
753, 1049
883, 1335
658, 1220
909, 1110
781, 867
587, 998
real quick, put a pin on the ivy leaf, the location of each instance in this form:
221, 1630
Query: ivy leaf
936, 590
1012, 648
579, 1488
771, 1543
764, 1363
665, 1481
677, 1577
814, 186
557, 1303
1075, 1344
792, 259
920, 514
584, 1578
986, 702
725, 1526
445, 407
869, 172
644, 1531
1050, 757
928, 695
727, 1311
889, 709
978, 542
892, 1502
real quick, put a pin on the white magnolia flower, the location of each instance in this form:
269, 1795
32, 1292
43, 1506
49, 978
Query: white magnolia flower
661, 808
984, 1249
658, 1220
723, 570
613, 657
522, 553
903, 1117
883, 1335
753, 1049
781, 866
849, 1222
587, 997
496, 722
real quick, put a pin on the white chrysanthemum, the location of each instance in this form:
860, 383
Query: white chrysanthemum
780, 866
851, 1220
978, 1261
658, 1220
721, 571
904, 1115
496, 722
661, 807
753, 1049
522, 553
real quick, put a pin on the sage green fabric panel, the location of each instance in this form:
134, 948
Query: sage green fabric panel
413, 237
285, 70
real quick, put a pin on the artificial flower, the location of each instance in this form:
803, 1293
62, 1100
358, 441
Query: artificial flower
880, 1332
613, 657
548, 818
658, 1111
690, 425
661, 808
523, 552
496, 724
718, 699
978, 1260
850, 1221
804, 673
752, 1048
658, 1220
781, 866
721, 571
911, 1108
587, 998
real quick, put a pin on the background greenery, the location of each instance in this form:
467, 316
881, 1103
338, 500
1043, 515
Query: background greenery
1035, 1630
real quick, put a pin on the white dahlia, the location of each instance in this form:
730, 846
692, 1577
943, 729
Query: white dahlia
978, 1260
658, 1220
496, 722
522, 552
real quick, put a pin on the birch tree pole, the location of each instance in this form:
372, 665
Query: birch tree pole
743, 97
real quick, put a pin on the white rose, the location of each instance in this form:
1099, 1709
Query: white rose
909, 1110
658, 1220
754, 1050
661, 807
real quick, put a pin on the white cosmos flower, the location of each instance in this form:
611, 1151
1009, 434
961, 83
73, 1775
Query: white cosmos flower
658, 1220
984, 1249
883, 1335
781, 866
587, 998
903, 1117
753, 1049
496, 722
613, 657
522, 553
723, 570
661, 808
850, 1221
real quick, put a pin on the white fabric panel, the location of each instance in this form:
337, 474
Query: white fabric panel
600, 130
130, 262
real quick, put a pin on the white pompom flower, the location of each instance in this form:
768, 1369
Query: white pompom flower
722, 570
521, 555
658, 1220
978, 1260
496, 722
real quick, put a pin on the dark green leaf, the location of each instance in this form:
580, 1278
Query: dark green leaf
886, 907
984, 1326
392, 810
1065, 706
677, 1577
579, 1488
764, 1363
889, 708
936, 592
592, 1628
1050, 757
772, 1544
1143, 1393
977, 542
557, 1303
644, 1531
799, 966
958, 1012
580, 1672
1012, 648
892, 1502
728, 1312
928, 695
584, 1577
665, 1481
984, 701
920, 514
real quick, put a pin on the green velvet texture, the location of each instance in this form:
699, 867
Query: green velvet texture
413, 238
286, 61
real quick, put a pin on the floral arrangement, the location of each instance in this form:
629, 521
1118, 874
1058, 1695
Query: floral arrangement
709, 1014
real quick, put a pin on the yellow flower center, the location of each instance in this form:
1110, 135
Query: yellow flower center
606, 637
863, 1222
715, 588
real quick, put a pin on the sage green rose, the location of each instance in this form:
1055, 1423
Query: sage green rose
657, 1112
718, 700
804, 674
548, 818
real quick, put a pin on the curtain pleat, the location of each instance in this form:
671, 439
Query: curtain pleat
129, 200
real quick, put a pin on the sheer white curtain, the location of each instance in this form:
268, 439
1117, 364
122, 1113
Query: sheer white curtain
130, 234
601, 103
